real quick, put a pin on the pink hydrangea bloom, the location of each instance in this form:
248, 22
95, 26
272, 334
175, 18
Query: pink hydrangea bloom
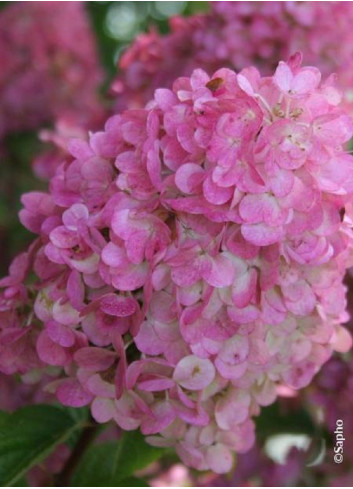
327, 399
49, 66
190, 259
239, 34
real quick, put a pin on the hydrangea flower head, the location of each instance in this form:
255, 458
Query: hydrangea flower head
190, 259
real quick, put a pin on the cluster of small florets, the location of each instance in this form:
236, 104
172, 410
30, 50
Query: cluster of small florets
49, 65
237, 35
190, 259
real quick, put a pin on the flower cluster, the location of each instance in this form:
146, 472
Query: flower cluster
328, 398
239, 34
49, 66
190, 259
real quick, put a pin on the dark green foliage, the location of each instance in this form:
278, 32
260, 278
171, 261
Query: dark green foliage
113, 464
29, 435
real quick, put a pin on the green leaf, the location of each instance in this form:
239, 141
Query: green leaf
274, 420
28, 436
109, 463
197, 8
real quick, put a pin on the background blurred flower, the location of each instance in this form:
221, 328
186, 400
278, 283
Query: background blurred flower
49, 65
236, 35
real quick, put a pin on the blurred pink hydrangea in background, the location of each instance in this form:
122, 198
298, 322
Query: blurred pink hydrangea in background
237, 35
190, 260
49, 66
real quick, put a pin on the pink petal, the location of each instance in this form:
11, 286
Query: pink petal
244, 315
188, 177
219, 458
113, 255
231, 372
215, 194
154, 166
163, 415
75, 290
73, 215
60, 334
283, 77
103, 410
221, 273
243, 288
147, 341
156, 384
120, 306
50, 352
97, 386
306, 80
71, 393
260, 208
194, 373
261, 234
63, 237
94, 359
132, 278
342, 341
232, 409
64, 313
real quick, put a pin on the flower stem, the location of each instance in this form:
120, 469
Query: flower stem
63, 479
